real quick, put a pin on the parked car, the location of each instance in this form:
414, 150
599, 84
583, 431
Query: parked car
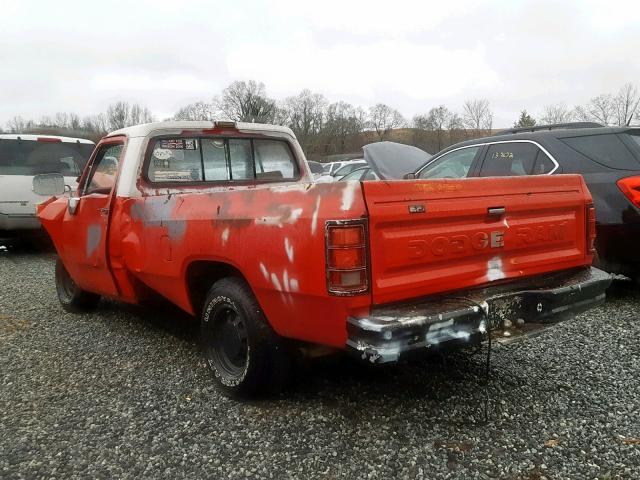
223, 219
607, 157
360, 175
341, 171
23, 157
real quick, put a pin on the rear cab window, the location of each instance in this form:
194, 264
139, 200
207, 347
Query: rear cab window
606, 149
515, 159
207, 159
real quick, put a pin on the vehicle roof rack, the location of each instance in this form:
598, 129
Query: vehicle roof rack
553, 126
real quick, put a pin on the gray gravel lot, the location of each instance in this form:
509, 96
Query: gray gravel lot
124, 393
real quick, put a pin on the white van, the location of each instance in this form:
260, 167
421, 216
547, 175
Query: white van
22, 157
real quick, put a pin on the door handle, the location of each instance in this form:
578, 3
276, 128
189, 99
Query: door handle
496, 211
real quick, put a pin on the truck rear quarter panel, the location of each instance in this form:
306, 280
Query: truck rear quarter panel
273, 234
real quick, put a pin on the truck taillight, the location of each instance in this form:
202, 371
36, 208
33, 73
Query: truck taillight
630, 186
591, 229
347, 258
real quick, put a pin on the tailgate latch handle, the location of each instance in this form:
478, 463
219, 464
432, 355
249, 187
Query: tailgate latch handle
496, 211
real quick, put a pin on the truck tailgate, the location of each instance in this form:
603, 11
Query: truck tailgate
433, 236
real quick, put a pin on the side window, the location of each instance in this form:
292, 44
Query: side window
274, 160
102, 177
509, 159
175, 160
543, 164
607, 150
454, 164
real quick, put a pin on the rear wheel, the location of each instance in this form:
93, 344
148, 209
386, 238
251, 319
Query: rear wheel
73, 298
246, 356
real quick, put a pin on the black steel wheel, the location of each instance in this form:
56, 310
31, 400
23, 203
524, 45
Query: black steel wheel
245, 355
71, 297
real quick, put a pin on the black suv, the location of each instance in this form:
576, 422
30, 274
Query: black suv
607, 157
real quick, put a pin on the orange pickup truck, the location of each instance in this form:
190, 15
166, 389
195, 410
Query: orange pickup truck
225, 221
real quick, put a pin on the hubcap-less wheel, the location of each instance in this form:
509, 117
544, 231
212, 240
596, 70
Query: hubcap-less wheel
229, 342
66, 286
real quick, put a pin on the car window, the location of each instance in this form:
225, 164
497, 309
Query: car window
220, 159
348, 168
274, 160
607, 150
355, 175
454, 164
30, 157
175, 160
214, 159
543, 164
509, 159
102, 177
240, 159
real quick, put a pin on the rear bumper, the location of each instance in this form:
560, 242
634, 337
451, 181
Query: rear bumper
509, 311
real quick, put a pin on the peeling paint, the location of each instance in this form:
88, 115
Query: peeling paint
276, 282
264, 271
348, 195
494, 269
314, 218
94, 233
225, 236
293, 283
288, 248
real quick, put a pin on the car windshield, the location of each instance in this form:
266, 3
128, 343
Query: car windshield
28, 157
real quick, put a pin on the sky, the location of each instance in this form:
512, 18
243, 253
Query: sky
413, 55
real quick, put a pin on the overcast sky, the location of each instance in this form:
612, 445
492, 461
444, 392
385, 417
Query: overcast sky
413, 55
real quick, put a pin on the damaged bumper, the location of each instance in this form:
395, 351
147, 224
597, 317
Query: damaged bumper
509, 311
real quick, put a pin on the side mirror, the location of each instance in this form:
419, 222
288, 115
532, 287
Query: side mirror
48, 184
410, 176
73, 204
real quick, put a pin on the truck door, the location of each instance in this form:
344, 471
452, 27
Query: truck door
85, 228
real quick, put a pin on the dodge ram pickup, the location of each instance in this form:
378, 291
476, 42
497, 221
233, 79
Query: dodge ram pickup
224, 220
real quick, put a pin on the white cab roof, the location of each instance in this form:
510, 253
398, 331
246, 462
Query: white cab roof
147, 129
33, 137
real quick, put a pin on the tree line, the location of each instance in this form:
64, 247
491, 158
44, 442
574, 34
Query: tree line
324, 128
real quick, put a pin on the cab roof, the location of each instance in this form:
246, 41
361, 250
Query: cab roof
146, 129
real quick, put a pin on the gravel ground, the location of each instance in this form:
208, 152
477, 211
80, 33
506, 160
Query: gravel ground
124, 393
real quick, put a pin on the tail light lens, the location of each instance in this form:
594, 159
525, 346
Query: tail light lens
591, 229
630, 186
347, 259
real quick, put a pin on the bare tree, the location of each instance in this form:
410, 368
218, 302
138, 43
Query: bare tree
581, 114
304, 114
626, 104
95, 123
341, 121
557, 113
477, 116
383, 119
18, 124
122, 114
196, 111
602, 109
246, 102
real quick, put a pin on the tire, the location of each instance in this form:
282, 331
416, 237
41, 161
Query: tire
71, 297
246, 356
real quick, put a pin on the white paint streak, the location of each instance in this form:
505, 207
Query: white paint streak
285, 280
314, 218
348, 195
288, 248
225, 235
264, 271
494, 269
279, 221
276, 282
293, 283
